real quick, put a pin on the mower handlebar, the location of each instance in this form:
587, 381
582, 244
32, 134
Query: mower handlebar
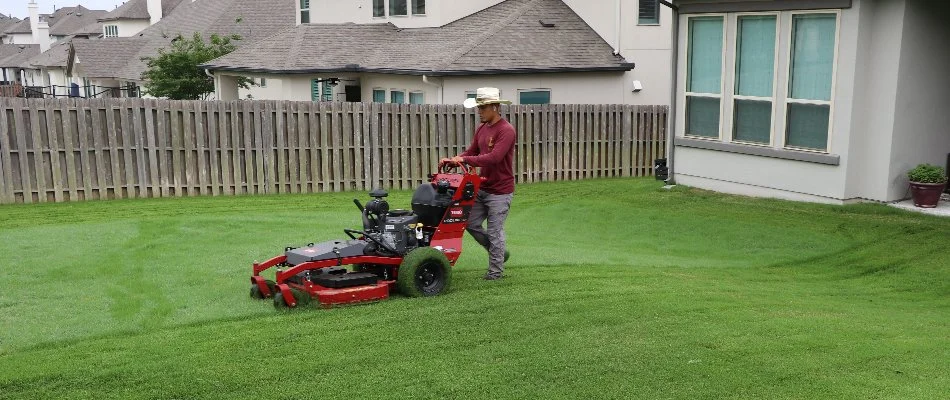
445, 166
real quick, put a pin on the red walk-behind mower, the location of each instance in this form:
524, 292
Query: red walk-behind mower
411, 250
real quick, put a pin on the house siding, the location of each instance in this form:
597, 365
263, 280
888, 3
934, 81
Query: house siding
922, 115
649, 46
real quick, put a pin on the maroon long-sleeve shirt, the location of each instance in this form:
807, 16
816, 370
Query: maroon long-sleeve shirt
493, 150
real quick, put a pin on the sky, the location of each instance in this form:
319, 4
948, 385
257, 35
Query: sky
17, 8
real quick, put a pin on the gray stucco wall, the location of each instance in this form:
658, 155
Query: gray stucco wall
922, 115
872, 117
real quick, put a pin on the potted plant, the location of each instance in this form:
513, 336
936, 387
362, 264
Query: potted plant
927, 182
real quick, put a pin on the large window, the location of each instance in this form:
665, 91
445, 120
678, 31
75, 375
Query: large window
379, 8
771, 100
704, 76
416, 98
755, 74
111, 31
649, 12
809, 80
304, 11
534, 96
398, 7
418, 7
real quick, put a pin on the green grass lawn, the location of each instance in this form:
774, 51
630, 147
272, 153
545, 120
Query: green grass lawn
615, 289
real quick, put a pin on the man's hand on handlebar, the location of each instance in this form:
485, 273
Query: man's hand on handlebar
454, 160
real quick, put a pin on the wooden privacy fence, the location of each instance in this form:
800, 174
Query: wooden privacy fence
79, 149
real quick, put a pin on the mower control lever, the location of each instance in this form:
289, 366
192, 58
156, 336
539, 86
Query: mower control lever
358, 204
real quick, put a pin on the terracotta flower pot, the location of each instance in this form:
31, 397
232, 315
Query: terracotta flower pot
926, 195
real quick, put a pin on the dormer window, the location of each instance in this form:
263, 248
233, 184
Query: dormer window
398, 8
304, 11
418, 7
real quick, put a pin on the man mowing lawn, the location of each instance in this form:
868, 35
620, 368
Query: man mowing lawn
492, 149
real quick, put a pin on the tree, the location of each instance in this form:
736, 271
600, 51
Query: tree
175, 72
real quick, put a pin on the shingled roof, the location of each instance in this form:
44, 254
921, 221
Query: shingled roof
120, 58
56, 56
68, 20
22, 26
63, 22
6, 22
138, 9
16, 55
506, 38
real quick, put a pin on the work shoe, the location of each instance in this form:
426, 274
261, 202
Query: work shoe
492, 277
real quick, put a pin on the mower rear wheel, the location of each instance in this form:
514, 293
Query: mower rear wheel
425, 271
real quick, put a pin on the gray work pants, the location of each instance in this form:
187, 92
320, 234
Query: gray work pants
494, 208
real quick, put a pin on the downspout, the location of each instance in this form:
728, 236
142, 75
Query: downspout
671, 116
617, 29
425, 79
217, 90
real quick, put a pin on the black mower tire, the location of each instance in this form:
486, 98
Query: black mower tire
256, 292
424, 272
300, 297
279, 302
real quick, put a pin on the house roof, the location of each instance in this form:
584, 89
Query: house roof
63, 22
6, 22
16, 55
68, 20
56, 56
506, 38
105, 58
138, 9
23, 26
121, 58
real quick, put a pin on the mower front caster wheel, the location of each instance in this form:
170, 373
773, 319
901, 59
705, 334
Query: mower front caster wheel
301, 298
425, 271
256, 291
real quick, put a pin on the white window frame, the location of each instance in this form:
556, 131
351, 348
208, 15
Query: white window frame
115, 30
385, 94
412, 10
372, 10
722, 80
788, 74
550, 94
405, 96
734, 44
411, 92
262, 82
659, 15
781, 77
391, 15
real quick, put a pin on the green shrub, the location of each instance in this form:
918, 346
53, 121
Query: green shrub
927, 173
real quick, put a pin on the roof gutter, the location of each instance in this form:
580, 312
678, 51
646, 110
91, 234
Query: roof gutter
621, 67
